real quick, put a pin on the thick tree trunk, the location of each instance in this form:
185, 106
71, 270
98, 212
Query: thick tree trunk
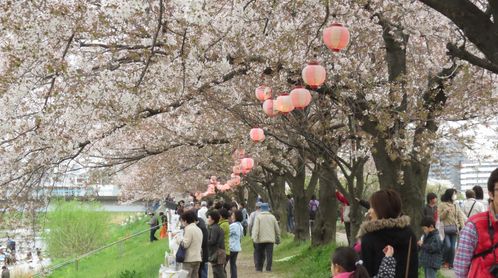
278, 202
301, 230
324, 229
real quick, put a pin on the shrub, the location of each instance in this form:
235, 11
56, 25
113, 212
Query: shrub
75, 228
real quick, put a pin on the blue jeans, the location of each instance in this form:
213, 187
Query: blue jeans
290, 224
203, 270
430, 272
449, 245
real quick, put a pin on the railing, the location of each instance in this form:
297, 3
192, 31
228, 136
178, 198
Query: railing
76, 260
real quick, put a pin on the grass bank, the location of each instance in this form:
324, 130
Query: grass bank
298, 260
135, 258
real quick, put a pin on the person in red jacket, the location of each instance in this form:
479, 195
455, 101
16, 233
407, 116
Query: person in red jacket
345, 208
477, 252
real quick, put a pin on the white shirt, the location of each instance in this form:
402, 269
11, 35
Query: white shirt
467, 206
201, 213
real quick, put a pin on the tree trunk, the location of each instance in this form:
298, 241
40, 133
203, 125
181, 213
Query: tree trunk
324, 229
278, 202
301, 230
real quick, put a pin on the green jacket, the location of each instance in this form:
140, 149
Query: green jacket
225, 226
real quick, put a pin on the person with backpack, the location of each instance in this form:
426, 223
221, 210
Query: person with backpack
477, 251
313, 206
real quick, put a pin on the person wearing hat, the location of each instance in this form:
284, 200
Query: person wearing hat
201, 213
265, 233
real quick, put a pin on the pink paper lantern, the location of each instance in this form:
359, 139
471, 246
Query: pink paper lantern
336, 37
257, 134
314, 74
300, 97
247, 163
284, 104
263, 93
268, 108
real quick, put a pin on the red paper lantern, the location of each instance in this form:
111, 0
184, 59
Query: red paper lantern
268, 108
257, 134
300, 97
263, 93
314, 74
336, 37
246, 164
284, 104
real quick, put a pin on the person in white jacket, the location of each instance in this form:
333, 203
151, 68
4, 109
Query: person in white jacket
471, 206
201, 213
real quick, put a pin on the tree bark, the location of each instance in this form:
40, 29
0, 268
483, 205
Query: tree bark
475, 24
301, 230
278, 202
324, 230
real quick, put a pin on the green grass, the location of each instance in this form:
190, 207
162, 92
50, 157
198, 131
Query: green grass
136, 254
302, 259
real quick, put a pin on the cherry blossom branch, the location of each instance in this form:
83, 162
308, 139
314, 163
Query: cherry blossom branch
462, 53
153, 47
54, 77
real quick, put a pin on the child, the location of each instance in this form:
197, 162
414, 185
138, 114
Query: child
346, 263
431, 248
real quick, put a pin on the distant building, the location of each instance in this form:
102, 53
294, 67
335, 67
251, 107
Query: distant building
78, 183
476, 173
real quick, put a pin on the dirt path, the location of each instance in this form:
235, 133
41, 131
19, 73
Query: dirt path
245, 267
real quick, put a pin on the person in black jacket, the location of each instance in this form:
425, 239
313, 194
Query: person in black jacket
388, 227
430, 210
216, 240
203, 269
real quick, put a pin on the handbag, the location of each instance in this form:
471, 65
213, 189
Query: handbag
180, 254
451, 229
222, 256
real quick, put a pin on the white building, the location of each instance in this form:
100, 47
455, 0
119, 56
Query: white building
476, 173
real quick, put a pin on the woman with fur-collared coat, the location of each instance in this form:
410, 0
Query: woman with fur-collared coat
388, 227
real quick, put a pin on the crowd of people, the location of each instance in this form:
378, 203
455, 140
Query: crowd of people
457, 235
211, 232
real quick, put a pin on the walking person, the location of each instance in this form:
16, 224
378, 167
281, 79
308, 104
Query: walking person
192, 242
387, 226
290, 214
236, 233
201, 213
480, 196
477, 247
452, 220
430, 209
345, 209
431, 248
471, 206
216, 244
203, 268
313, 206
154, 226
265, 234
245, 217
5, 272
225, 226
252, 218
